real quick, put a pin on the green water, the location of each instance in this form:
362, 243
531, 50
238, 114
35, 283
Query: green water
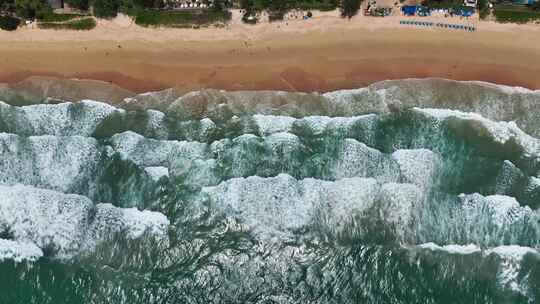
275, 209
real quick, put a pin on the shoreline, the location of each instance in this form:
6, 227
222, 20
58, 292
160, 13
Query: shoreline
323, 54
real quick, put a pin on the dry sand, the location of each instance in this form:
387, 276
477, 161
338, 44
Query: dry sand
321, 54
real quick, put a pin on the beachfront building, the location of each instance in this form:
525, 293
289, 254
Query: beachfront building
56, 4
470, 3
380, 8
189, 4
61, 7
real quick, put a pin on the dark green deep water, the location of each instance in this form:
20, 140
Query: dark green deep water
321, 202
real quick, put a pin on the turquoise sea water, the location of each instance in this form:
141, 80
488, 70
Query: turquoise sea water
411, 193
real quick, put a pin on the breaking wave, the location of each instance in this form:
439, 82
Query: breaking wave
397, 193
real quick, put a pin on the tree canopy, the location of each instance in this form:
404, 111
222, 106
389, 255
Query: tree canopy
7, 5
9, 23
349, 8
105, 8
30, 9
80, 4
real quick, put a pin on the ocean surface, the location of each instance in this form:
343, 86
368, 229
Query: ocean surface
410, 191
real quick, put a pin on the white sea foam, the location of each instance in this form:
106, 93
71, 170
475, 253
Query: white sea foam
501, 132
503, 207
355, 159
45, 218
65, 119
344, 96
154, 153
156, 124
65, 224
280, 138
508, 275
452, 248
140, 222
418, 166
503, 210
275, 207
19, 251
156, 173
269, 124
504, 88
514, 252
510, 264
399, 205
58, 163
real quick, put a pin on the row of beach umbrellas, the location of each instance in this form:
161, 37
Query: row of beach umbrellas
441, 25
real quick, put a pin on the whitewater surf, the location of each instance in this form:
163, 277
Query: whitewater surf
408, 191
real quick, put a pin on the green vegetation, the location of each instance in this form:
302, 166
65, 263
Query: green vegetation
180, 18
77, 24
52, 17
9, 23
105, 8
285, 5
80, 4
483, 9
317, 5
144, 12
515, 14
30, 9
7, 6
440, 4
349, 8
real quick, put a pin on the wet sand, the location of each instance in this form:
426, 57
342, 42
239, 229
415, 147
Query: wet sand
323, 54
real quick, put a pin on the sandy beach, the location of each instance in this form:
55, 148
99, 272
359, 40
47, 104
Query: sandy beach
321, 54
